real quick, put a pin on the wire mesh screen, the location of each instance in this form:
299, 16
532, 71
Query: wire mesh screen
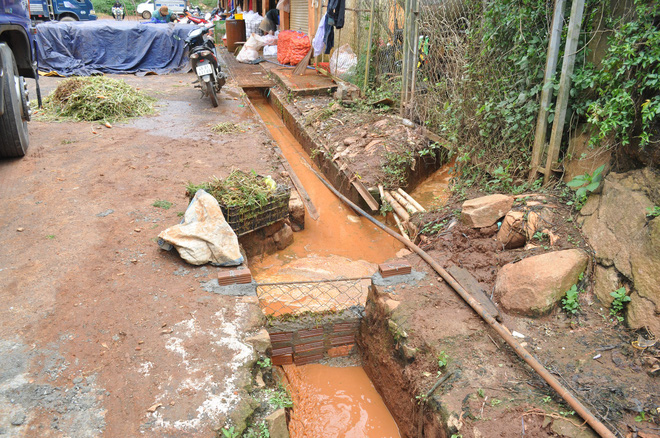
323, 296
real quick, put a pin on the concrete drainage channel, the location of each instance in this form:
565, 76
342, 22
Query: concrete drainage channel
316, 326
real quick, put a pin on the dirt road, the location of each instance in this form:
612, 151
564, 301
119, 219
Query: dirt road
101, 332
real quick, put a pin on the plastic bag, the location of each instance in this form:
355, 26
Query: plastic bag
269, 40
284, 5
250, 50
343, 62
204, 235
318, 43
270, 51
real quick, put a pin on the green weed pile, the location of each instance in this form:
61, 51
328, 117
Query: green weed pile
97, 98
239, 189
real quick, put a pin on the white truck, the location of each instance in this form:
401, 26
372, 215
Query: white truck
147, 8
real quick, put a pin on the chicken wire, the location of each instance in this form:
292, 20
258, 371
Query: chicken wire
322, 296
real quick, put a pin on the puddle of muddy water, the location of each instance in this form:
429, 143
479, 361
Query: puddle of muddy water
338, 244
434, 191
331, 402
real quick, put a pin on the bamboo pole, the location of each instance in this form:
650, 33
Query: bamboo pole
398, 224
371, 35
564, 86
403, 214
410, 199
404, 203
546, 94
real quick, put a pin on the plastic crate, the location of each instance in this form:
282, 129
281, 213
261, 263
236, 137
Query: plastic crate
243, 220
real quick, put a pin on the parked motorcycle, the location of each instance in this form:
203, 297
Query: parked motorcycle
201, 51
118, 13
210, 17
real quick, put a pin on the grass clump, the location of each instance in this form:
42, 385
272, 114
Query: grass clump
228, 128
97, 98
239, 189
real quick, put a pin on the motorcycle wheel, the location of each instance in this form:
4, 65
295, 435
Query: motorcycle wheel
210, 88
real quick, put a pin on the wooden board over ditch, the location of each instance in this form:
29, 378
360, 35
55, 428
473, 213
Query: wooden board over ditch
247, 75
309, 83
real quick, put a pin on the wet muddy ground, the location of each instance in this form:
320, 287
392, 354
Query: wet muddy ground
101, 332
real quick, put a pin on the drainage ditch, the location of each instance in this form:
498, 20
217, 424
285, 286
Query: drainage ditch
315, 294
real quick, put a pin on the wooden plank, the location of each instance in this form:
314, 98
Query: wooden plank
564, 86
475, 289
362, 190
246, 75
304, 196
546, 94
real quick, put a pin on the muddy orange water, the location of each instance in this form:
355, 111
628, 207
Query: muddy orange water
434, 191
338, 244
331, 402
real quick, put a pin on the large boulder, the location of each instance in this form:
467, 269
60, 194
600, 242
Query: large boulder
533, 286
623, 237
485, 211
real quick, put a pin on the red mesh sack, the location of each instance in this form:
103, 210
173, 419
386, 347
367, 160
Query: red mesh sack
283, 46
292, 46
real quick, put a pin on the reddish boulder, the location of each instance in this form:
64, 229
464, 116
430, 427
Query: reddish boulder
485, 211
533, 286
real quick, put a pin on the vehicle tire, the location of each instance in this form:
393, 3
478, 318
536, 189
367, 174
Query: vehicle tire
210, 88
14, 140
146, 15
67, 18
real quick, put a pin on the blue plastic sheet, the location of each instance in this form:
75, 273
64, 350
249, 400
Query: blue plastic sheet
108, 46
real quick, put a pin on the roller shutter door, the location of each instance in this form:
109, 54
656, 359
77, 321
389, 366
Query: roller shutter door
299, 18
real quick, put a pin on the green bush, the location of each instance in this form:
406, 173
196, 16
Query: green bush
105, 6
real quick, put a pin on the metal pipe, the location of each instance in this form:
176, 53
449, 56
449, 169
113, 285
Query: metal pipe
579, 408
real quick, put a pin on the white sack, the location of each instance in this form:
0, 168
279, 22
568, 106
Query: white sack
343, 61
250, 50
204, 236
270, 51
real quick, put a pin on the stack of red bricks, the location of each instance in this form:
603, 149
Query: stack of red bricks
241, 275
397, 267
311, 345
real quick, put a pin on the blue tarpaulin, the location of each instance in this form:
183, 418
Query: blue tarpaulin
108, 46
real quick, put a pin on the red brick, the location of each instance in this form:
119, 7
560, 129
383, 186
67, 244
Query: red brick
342, 340
311, 346
281, 336
345, 326
283, 350
308, 359
344, 350
311, 333
284, 359
398, 267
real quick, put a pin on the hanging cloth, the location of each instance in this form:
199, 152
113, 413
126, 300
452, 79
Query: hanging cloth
333, 18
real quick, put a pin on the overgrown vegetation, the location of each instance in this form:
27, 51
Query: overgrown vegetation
480, 80
239, 189
105, 6
622, 95
97, 98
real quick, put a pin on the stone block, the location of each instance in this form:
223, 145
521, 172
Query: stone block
276, 423
534, 285
296, 211
485, 211
260, 341
284, 237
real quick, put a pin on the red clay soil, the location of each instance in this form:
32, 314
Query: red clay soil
491, 392
103, 333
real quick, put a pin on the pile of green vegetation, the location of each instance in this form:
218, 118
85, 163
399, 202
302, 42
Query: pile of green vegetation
97, 98
239, 189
